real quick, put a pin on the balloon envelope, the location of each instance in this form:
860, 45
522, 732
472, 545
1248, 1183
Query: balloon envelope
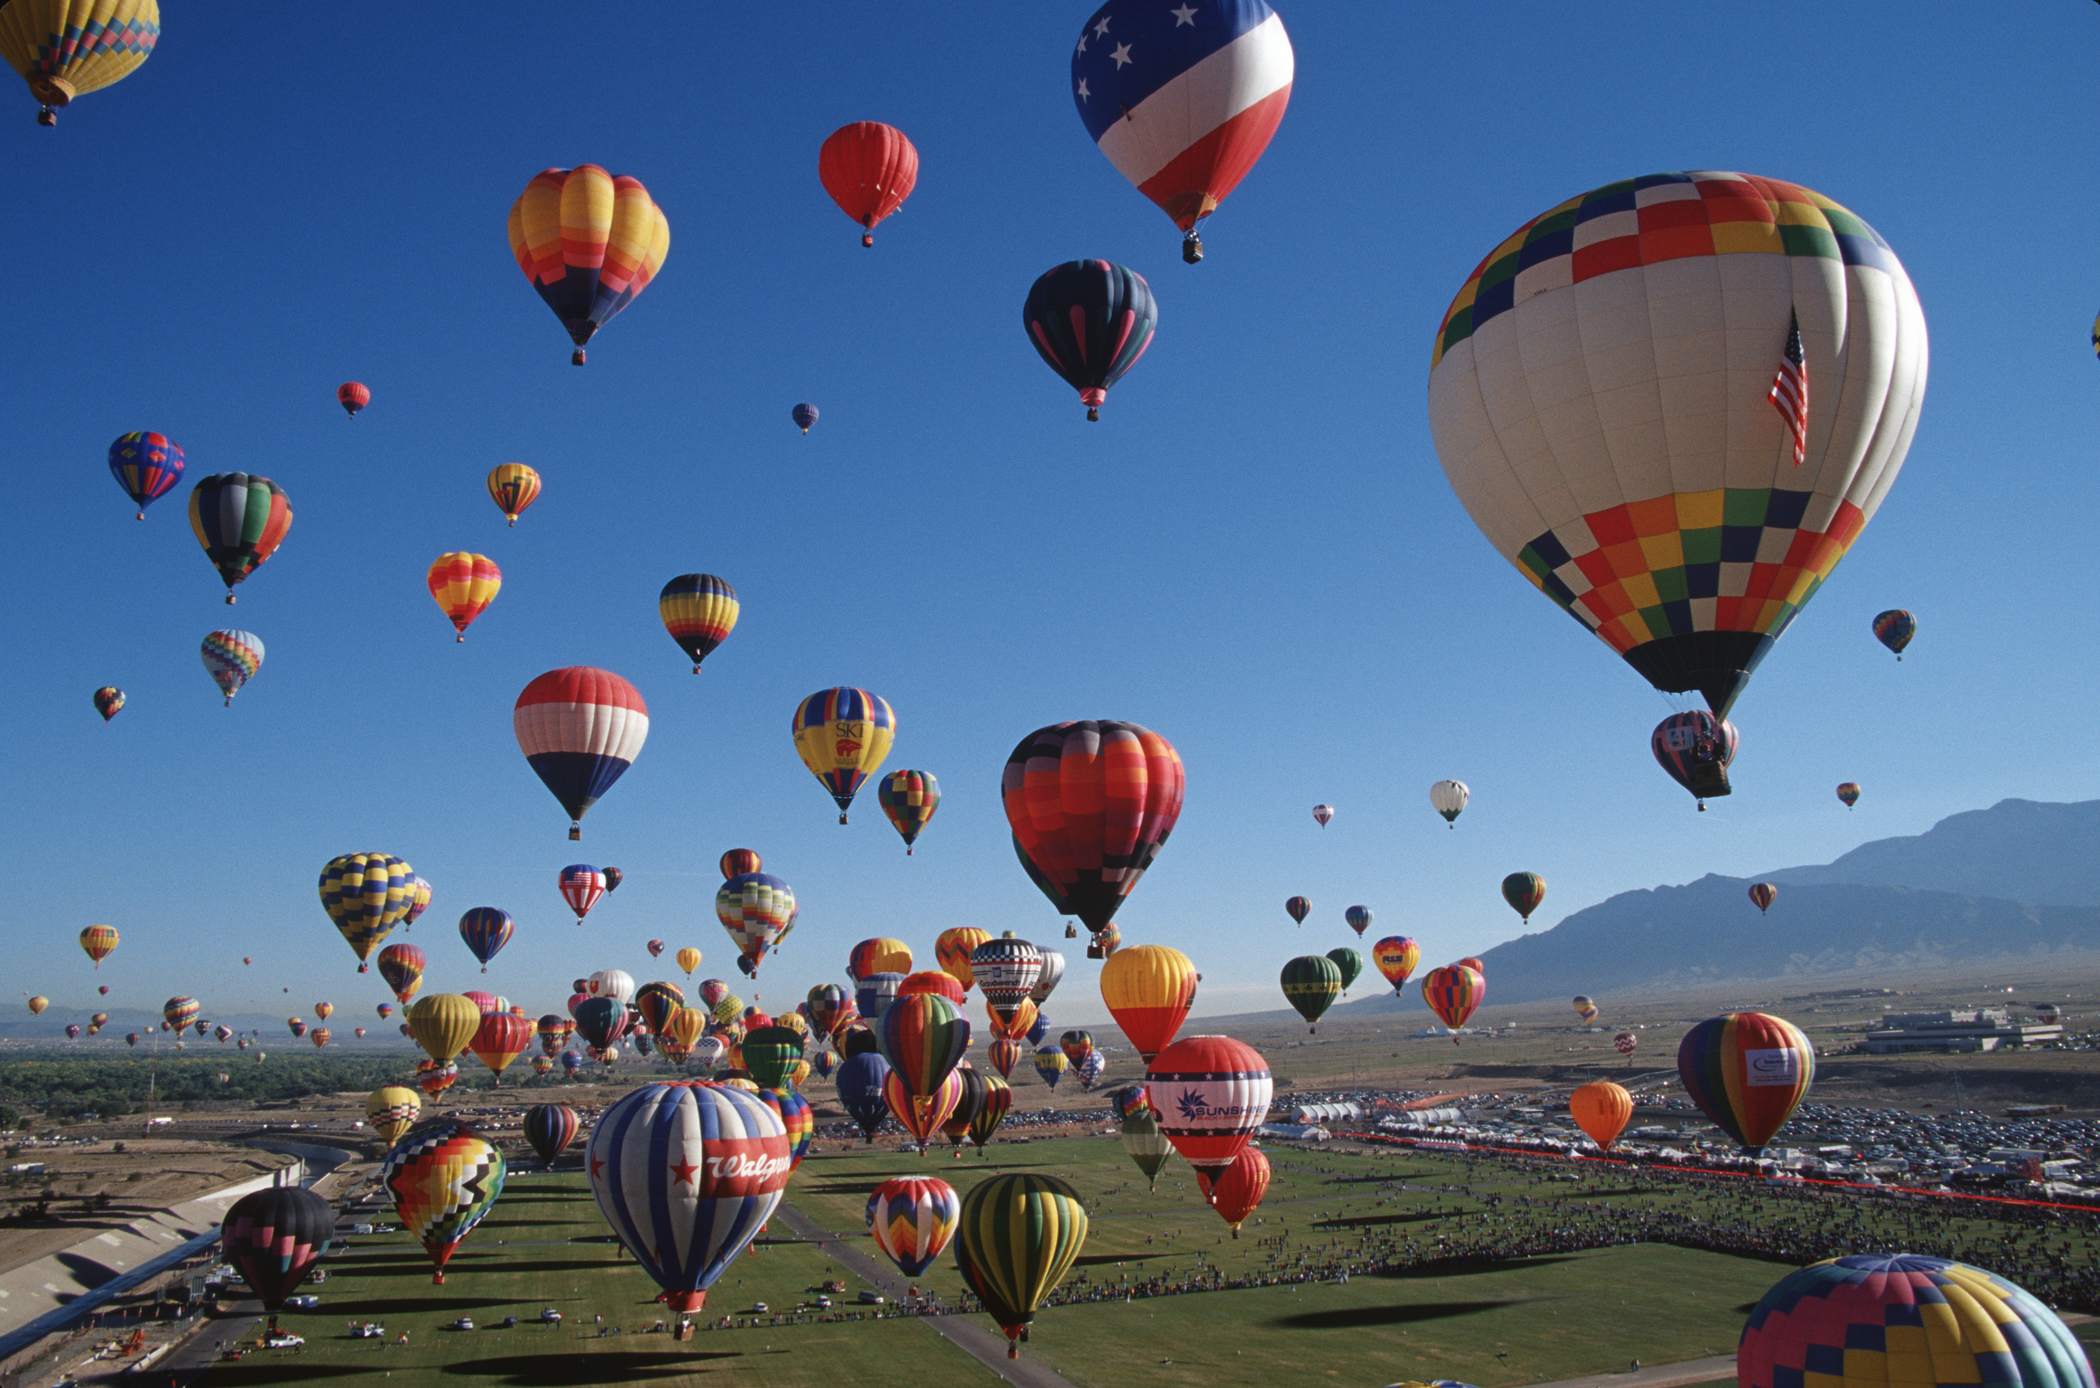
580, 728
240, 520
146, 465
274, 1238
443, 1177
1090, 805
699, 611
869, 169
1018, 1238
1748, 1071
1601, 1109
1090, 320
842, 735
589, 243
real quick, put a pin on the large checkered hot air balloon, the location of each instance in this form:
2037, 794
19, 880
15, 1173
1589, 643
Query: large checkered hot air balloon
1621, 401
1183, 100
443, 1177
757, 910
909, 799
68, 48
686, 1173
589, 242
580, 728
1090, 805
366, 895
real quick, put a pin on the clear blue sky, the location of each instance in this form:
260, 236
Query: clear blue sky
1254, 553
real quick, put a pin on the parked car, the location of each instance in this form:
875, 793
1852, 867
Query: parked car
870, 1297
759, 1308
463, 1323
551, 1316
370, 1330
302, 1303
281, 1340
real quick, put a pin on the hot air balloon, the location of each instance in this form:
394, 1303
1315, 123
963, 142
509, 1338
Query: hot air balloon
1146, 1144
366, 895
1005, 1053
1090, 805
72, 1031
1297, 908
909, 798
500, 1039
324, 1010
601, 1021
464, 585
860, 1081
1762, 895
954, 947
804, 416
402, 968
688, 960
797, 1118
1585, 1008
969, 1102
580, 729
699, 611
1748, 1071
222, 1033
1696, 749
273, 1238
1053, 972
1849, 793
146, 465
998, 1099
68, 48
830, 1007
771, 1054
1349, 962
1452, 993
1661, 499
922, 1036
108, 700
1601, 1109
1311, 983
758, 911
131, 1038
1090, 320
842, 735
656, 1002
513, 487
912, 1218
571, 1064
1448, 798
486, 930
231, 658
934, 981
352, 397
1894, 628
1358, 918
1625, 1043
98, 1021
1149, 990
921, 1114
98, 941
443, 1177
1051, 1064
1183, 101
589, 243
419, 894
869, 169
550, 1128
542, 1066
1904, 1317
1212, 1092
1524, 891
880, 955
443, 1024
581, 886
1469, 962
1024, 1020
178, 1013
240, 520
37, 1005
1237, 1192
1323, 813
321, 1037
1006, 969
1076, 1045
738, 861
1018, 1237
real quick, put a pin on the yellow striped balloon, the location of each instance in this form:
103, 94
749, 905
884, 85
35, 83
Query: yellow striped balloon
464, 585
67, 48
1018, 1238
513, 487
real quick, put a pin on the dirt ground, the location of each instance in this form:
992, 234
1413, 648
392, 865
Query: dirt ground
149, 1174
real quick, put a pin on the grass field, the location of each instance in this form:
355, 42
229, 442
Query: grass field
1517, 1323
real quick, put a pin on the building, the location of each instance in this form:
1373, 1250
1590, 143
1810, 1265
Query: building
1971, 1029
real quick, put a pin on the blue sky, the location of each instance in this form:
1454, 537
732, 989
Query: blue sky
1254, 553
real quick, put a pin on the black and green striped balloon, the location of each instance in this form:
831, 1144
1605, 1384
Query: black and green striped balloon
1017, 1239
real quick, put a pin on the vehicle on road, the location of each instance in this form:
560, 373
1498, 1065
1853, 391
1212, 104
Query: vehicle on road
869, 1297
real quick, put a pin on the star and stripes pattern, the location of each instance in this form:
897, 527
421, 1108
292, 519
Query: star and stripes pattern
686, 1172
1790, 389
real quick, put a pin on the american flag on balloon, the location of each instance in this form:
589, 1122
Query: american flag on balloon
1790, 389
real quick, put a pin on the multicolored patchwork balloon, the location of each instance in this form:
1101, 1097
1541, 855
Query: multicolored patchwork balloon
240, 520
909, 798
1090, 805
1452, 993
443, 1177
912, 1219
231, 658
758, 911
146, 465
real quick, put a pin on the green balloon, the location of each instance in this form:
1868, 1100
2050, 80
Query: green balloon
1146, 1144
1311, 983
770, 1053
1349, 962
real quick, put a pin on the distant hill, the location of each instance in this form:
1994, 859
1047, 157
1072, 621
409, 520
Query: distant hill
2010, 882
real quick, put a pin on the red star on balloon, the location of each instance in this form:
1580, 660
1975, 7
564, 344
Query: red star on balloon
684, 1172
597, 1167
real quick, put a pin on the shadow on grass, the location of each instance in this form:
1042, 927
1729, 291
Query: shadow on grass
534, 1370
286, 1370
1473, 1267
1364, 1317
373, 1307
1098, 1259
1367, 1221
1381, 1179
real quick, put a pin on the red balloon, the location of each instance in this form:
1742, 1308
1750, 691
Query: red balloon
353, 397
1211, 1092
869, 169
1090, 805
933, 981
1235, 1194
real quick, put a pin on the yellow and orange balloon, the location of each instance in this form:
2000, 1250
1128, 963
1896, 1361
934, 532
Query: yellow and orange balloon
589, 242
68, 48
464, 585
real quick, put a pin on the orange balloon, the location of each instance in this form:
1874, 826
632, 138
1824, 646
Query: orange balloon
1602, 1110
464, 584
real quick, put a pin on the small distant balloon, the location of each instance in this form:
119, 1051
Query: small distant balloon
513, 487
1322, 814
1298, 908
1358, 918
804, 415
146, 465
1763, 894
463, 585
352, 397
1448, 798
231, 658
1524, 891
108, 700
1849, 793
699, 611
1894, 629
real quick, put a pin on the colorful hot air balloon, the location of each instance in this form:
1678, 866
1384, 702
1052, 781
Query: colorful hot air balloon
1212, 1092
1090, 320
38, 1004
921, 1114
463, 585
1452, 992
402, 968
686, 1173
1748, 1071
1469, 962
513, 487
1358, 918
1601, 1109
933, 981
1585, 1008
771, 1054
108, 700
1237, 1192
1297, 908
688, 960
1323, 813
1077, 1045
589, 243
1006, 969
419, 894
392, 1111
842, 735
1018, 1237
953, 948
581, 886
1149, 990
1183, 101
1696, 749
1662, 500
580, 729
321, 1037
146, 465
601, 1021
500, 1039
550, 1128
796, 1117
1625, 1043
72, 1031
324, 1010
869, 169
830, 1007
352, 396
1894, 628
1053, 972
1146, 1144
758, 911
699, 611
366, 894
1051, 1064
878, 955
1448, 798
1762, 895
98, 941
179, 1012
1005, 1053
860, 1080
231, 658
969, 1103
998, 1100
1311, 983
804, 415
1090, 805
274, 1238
443, 1177
909, 798
1849, 793
443, 1024
1903, 1318
912, 1218
738, 861
486, 930
1349, 962
68, 48
922, 1036
240, 520
657, 1002
1524, 891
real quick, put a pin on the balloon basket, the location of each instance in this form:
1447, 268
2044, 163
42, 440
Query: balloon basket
867, 240
1192, 249
47, 117
576, 836
229, 599
576, 357
1093, 414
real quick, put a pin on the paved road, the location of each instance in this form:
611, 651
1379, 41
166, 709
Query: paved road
1659, 1376
973, 1335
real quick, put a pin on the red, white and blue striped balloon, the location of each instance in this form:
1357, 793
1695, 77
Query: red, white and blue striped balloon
685, 1172
580, 728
